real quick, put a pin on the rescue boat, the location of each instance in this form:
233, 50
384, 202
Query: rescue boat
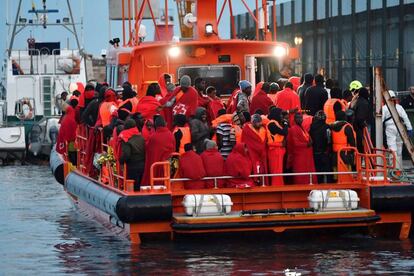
363, 197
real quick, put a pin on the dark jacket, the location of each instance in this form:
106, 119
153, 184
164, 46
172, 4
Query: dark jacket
133, 151
320, 134
199, 130
315, 98
302, 89
361, 113
90, 114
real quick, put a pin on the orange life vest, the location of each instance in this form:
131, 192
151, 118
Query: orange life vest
105, 112
261, 132
274, 140
185, 139
134, 103
225, 118
238, 133
339, 139
328, 108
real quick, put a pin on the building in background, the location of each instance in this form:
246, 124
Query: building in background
346, 37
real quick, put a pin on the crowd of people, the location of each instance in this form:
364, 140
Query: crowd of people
296, 125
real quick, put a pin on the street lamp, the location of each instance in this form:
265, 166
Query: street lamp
298, 42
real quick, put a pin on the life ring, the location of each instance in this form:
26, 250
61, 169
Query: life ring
21, 106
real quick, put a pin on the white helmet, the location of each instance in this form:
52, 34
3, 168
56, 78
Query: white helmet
392, 94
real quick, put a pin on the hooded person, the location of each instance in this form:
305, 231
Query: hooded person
159, 147
129, 99
191, 166
277, 131
296, 82
257, 89
307, 82
261, 101
199, 129
343, 135
213, 164
148, 105
302, 154
87, 96
163, 82
315, 96
361, 110
238, 165
132, 152
200, 86
321, 140
182, 133
254, 136
274, 88
107, 108
288, 101
214, 104
65, 142
184, 99
90, 114
239, 99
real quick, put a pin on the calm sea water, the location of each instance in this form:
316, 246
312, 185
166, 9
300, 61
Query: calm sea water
41, 233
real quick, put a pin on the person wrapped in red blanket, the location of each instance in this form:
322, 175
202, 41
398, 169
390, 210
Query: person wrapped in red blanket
302, 152
238, 165
159, 148
254, 136
213, 163
65, 142
191, 166
184, 100
148, 105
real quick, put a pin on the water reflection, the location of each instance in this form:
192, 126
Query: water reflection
42, 233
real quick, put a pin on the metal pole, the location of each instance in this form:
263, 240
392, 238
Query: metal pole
377, 72
14, 28
274, 21
74, 27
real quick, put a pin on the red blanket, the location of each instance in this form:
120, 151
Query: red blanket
159, 148
67, 131
257, 148
260, 101
301, 154
214, 166
191, 166
238, 164
185, 103
148, 106
213, 108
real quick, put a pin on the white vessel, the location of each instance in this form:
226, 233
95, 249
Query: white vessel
35, 77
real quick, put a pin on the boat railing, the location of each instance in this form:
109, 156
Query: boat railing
264, 176
33, 62
360, 171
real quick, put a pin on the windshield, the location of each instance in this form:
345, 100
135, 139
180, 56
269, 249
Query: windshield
224, 78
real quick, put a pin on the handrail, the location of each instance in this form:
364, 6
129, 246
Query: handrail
311, 174
166, 174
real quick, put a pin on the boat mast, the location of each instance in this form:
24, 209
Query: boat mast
73, 26
14, 28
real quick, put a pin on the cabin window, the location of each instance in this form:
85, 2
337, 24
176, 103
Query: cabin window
225, 78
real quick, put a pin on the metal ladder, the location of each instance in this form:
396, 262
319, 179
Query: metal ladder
47, 96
